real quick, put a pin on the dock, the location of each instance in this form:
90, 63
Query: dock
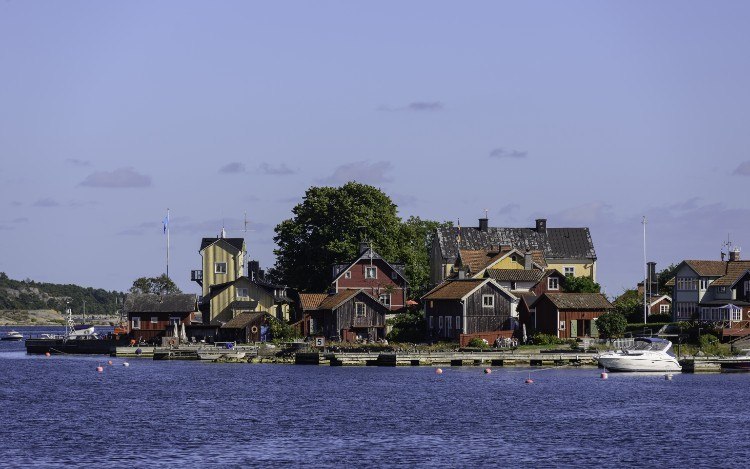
492, 358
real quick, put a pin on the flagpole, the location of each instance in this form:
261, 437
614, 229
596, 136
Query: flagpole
167, 243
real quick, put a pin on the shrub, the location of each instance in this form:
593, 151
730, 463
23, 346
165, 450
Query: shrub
545, 339
709, 344
281, 331
661, 318
611, 325
478, 343
407, 327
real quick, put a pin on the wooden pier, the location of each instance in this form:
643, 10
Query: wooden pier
444, 359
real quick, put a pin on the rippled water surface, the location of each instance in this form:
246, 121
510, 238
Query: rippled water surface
59, 411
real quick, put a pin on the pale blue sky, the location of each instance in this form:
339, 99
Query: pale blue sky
586, 113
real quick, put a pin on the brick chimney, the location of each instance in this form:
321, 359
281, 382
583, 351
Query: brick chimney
541, 225
734, 254
527, 260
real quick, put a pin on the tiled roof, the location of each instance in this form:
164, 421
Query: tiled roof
242, 320
335, 300
578, 300
150, 303
311, 300
528, 296
515, 275
708, 268
235, 242
554, 243
538, 257
453, 289
478, 259
735, 270
339, 269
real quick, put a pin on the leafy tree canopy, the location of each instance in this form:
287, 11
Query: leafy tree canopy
327, 227
663, 277
157, 285
611, 325
580, 285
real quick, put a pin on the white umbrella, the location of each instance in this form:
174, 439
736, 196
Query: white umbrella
183, 334
523, 328
175, 333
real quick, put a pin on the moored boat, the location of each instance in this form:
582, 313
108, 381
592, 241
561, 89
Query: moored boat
646, 354
12, 335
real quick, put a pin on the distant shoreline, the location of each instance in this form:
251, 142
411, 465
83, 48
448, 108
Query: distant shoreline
43, 317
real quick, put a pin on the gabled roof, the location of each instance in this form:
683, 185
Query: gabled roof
478, 259
337, 299
735, 270
242, 320
655, 299
728, 272
398, 268
740, 277
236, 243
515, 275
554, 243
310, 301
576, 300
707, 268
458, 289
150, 303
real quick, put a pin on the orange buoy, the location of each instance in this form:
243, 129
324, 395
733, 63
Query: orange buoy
487, 371
439, 371
46, 354
99, 368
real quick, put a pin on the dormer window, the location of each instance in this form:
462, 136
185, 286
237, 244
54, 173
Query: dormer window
220, 267
242, 293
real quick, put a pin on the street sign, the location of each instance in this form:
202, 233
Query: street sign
320, 342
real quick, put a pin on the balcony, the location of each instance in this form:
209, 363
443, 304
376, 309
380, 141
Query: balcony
197, 276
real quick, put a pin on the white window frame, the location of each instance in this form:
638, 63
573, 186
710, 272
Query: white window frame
488, 304
373, 270
572, 272
562, 326
175, 320
663, 308
240, 292
686, 283
556, 281
135, 323
703, 283
217, 269
449, 323
154, 319
357, 312
348, 274
386, 297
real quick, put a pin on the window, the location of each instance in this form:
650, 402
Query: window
562, 325
663, 309
371, 272
488, 301
553, 283
569, 271
359, 309
513, 285
394, 275
242, 293
448, 320
722, 289
348, 274
704, 283
459, 326
685, 310
154, 320
686, 283
431, 322
220, 267
174, 320
385, 298
440, 322
747, 287
136, 323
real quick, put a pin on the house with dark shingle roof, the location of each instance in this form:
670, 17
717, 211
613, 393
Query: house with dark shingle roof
151, 317
712, 291
569, 250
566, 315
348, 315
246, 328
459, 307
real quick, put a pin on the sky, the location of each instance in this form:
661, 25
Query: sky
587, 113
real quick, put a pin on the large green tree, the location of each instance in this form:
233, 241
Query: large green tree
580, 285
327, 227
157, 285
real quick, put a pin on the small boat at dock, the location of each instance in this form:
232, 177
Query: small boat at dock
12, 335
646, 354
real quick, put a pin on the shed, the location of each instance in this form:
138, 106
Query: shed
150, 315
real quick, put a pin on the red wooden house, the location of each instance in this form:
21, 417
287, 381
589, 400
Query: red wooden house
373, 274
567, 315
151, 317
348, 316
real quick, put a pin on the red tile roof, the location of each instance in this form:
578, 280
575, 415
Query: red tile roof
311, 300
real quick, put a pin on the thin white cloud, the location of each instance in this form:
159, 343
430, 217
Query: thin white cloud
361, 171
118, 179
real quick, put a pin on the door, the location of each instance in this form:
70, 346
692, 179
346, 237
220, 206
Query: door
574, 328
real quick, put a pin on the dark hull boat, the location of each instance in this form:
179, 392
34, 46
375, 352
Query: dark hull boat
75, 345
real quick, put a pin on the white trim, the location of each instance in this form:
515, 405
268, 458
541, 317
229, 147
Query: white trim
216, 268
557, 283
491, 302
663, 297
154, 319
135, 323
347, 274
356, 309
514, 250
566, 267
365, 255
373, 269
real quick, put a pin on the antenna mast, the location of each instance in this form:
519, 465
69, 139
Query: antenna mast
645, 272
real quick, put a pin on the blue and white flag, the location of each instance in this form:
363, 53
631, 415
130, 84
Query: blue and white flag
165, 222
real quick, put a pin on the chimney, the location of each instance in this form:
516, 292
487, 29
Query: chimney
363, 247
253, 269
527, 260
461, 274
484, 224
734, 254
541, 225
652, 283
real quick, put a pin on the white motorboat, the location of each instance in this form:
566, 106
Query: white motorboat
209, 354
646, 354
12, 335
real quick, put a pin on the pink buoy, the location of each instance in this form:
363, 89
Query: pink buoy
487, 371
529, 381
46, 354
439, 371
604, 375
100, 368
109, 362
